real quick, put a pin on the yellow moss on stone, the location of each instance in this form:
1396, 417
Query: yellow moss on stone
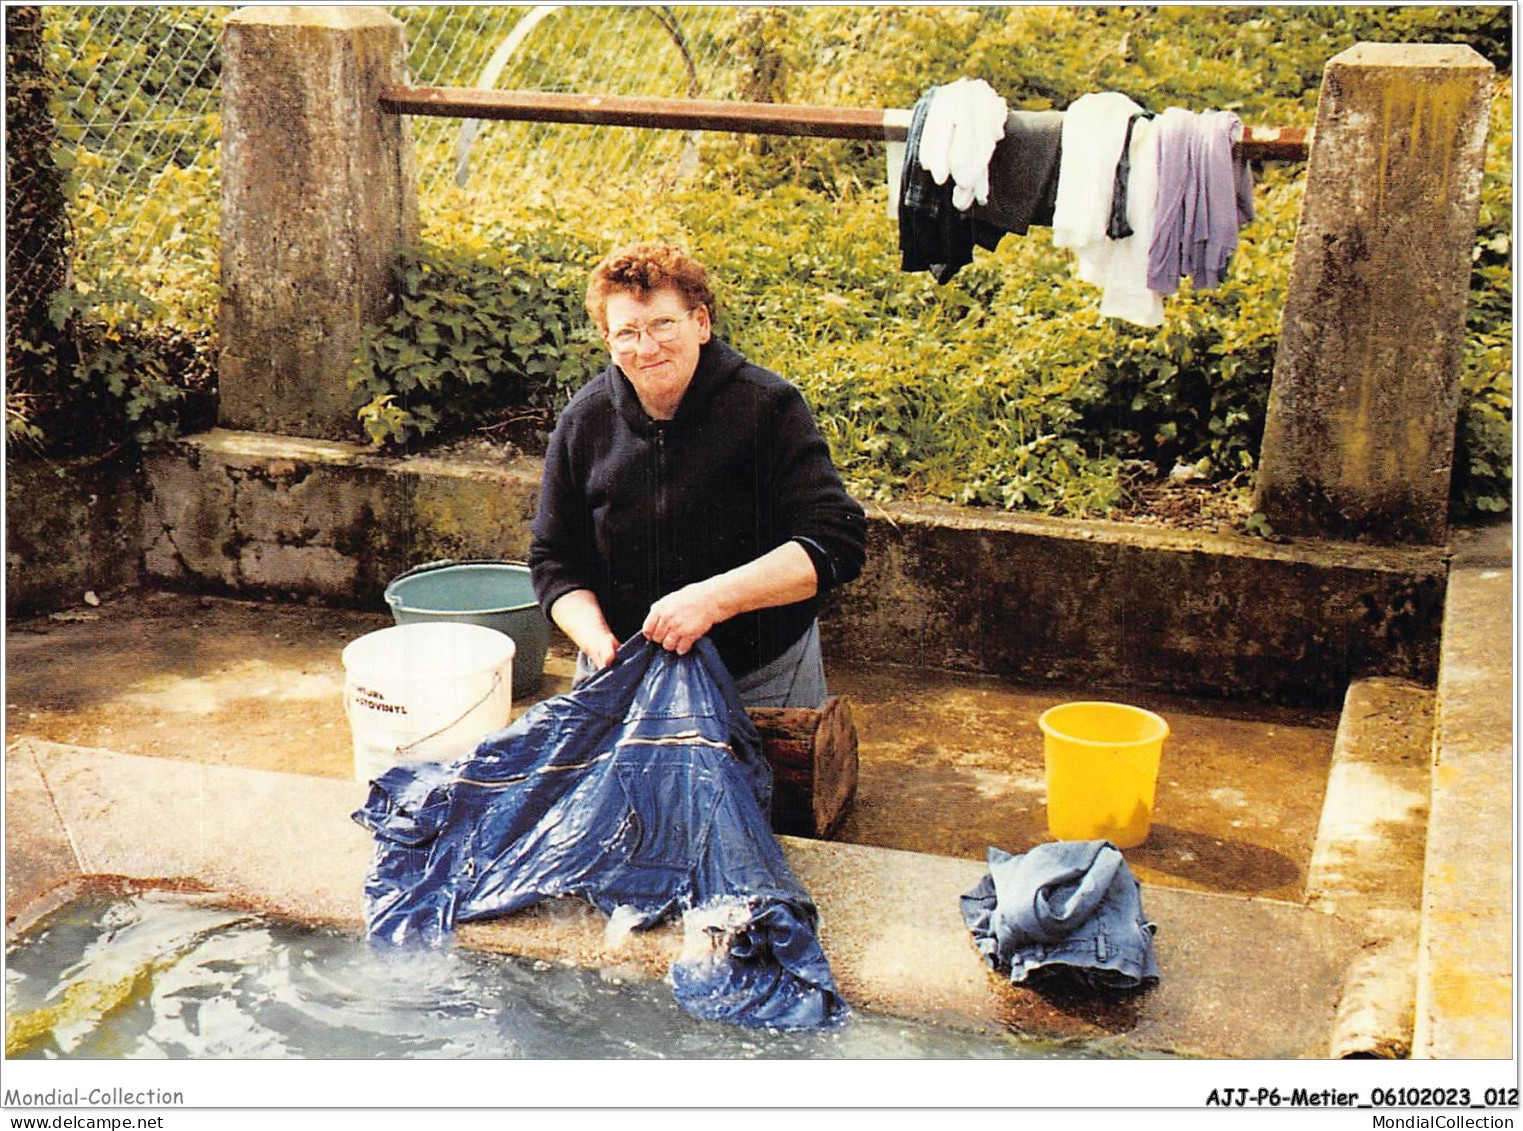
82, 1002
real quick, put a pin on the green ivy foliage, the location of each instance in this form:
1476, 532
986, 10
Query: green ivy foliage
477, 338
144, 73
1194, 392
138, 107
118, 296
1482, 482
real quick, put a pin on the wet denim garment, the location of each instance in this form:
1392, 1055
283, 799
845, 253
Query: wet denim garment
1071, 909
643, 791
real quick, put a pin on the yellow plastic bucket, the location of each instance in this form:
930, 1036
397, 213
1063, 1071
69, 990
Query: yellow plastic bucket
1102, 770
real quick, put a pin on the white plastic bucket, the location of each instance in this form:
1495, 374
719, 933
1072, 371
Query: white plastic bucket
425, 693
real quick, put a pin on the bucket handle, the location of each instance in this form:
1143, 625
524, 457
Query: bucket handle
496, 683
444, 563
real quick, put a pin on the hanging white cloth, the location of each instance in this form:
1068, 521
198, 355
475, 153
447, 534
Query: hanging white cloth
1094, 134
1094, 128
964, 121
1121, 268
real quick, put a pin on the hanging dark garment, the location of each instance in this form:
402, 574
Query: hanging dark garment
936, 236
1023, 173
1119, 228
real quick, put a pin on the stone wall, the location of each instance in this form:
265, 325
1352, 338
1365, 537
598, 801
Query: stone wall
1032, 598
253, 513
70, 528
1105, 603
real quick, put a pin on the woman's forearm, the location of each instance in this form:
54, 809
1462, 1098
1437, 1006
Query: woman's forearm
778, 577
580, 617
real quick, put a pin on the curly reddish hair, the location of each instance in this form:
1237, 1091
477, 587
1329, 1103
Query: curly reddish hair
640, 269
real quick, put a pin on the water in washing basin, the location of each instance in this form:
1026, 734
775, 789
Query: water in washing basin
163, 975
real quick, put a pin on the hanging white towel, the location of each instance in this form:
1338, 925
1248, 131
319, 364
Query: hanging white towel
964, 121
1094, 131
1094, 128
1121, 266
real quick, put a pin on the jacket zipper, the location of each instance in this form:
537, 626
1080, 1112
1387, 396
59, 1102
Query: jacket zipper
662, 504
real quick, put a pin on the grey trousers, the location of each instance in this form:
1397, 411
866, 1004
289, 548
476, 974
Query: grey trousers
794, 679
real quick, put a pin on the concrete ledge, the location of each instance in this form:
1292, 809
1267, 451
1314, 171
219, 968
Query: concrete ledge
1088, 602
1240, 977
1034, 598
1465, 968
1367, 861
254, 513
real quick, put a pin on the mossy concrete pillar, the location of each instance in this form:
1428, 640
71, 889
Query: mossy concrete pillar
1359, 438
317, 196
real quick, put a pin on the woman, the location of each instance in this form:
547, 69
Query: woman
688, 492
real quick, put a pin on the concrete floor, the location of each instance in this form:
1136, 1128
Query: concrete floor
949, 764
113, 710
1285, 869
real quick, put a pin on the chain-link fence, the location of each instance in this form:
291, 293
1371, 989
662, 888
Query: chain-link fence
653, 51
138, 103
138, 111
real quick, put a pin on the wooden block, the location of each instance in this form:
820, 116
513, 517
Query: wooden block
813, 755
835, 766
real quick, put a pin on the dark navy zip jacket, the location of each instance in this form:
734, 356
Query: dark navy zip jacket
633, 508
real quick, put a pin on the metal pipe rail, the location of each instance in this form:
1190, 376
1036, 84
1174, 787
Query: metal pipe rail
1267, 143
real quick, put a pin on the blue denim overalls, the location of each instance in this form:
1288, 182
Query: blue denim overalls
643, 789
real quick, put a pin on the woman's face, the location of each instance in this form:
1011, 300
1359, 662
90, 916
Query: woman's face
659, 371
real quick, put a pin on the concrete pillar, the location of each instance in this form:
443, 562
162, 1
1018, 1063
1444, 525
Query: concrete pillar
1359, 437
317, 195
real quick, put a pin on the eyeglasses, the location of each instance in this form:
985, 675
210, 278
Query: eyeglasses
661, 331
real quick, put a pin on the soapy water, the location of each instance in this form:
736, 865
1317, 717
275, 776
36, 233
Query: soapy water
161, 975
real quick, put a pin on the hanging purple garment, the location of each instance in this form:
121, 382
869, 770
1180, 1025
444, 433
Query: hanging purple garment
1205, 195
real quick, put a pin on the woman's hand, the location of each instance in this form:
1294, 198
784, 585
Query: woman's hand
677, 620
601, 652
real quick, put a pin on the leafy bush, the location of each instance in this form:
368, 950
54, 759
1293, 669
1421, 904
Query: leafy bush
138, 110
1195, 390
477, 337
133, 78
96, 363
121, 380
